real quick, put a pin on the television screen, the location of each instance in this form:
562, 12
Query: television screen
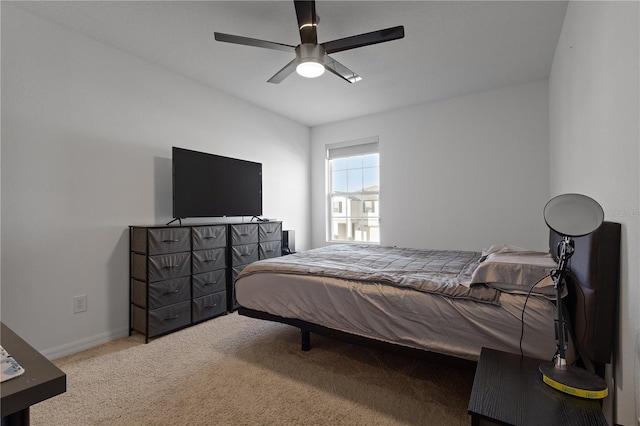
208, 185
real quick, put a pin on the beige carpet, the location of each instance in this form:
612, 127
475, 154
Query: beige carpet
238, 370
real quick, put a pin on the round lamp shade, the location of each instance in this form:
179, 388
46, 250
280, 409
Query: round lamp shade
573, 215
310, 69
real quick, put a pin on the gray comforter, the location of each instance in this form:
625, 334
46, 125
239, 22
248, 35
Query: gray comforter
430, 271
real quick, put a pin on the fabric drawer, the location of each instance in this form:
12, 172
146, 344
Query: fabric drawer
270, 231
235, 271
270, 249
162, 240
209, 282
138, 239
244, 254
168, 266
138, 293
232, 302
162, 320
209, 260
209, 306
161, 293
208, 237
245, 233
139, 266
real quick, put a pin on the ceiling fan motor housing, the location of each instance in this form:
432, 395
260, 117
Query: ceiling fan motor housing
310, 52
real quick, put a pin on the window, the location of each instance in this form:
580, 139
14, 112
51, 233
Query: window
369, 206
354, 192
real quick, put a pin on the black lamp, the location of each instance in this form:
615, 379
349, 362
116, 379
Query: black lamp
570, 215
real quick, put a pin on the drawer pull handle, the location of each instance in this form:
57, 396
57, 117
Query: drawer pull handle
244, 235
211, 260
172, 318
211, 237
270, 251
245, 254
170, 266
211, 306
173, 291
212, 283
171, 241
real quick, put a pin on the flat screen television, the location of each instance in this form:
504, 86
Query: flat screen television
208, 185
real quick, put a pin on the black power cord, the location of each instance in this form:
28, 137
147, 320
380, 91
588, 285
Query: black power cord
525, 307
559, 305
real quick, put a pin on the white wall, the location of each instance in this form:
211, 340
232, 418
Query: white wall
462, 173
594, 146
87, 132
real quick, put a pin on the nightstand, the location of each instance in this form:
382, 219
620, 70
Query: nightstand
508, 390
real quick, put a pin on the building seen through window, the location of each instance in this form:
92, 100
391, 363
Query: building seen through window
354, 198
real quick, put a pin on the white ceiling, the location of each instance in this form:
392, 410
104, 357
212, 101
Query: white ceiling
450, 48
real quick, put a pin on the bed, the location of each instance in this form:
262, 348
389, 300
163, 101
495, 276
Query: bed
441, 302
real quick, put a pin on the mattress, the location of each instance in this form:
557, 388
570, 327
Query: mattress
405, 315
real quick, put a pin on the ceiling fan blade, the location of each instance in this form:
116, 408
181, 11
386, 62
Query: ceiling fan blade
307, 21
229, 38
366, 39
284, 72
340, 70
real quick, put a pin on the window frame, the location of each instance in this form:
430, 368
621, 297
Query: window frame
359, 147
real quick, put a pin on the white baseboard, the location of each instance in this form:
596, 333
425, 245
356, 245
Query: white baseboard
84, 344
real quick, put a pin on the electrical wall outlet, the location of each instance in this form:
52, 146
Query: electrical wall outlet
79, 303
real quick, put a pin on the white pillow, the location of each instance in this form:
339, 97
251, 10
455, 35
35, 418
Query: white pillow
516, 271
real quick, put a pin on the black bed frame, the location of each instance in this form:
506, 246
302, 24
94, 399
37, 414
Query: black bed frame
591, 304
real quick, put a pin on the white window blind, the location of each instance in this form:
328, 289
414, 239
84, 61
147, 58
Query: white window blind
353, 150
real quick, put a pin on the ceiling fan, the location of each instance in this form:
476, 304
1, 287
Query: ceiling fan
312, 58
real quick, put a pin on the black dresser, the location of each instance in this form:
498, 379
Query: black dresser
182, 275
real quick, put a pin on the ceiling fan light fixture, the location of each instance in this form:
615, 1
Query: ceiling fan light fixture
310, 60
310, 68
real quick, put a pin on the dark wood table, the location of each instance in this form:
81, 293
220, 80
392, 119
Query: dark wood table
508, 390
41, 380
